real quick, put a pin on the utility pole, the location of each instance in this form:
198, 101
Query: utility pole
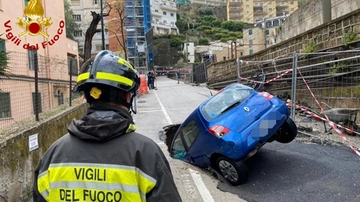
102, 25
265, 38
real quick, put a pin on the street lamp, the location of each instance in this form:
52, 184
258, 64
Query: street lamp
102, 25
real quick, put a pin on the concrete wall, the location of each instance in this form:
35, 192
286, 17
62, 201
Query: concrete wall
310, 16
17, 163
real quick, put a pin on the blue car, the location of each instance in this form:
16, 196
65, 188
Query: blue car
228, 128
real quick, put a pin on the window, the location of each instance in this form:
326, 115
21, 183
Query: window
156, 10
251, 52
73, 66
189, 132
5, 109
33, 59
98, 47
172, 14
164, 13
2, 45
247, 6
267, 32
95, 2
250, 42
26, 2
78, 33
250, 31
37, 103
61, 99
225, 100
77, 17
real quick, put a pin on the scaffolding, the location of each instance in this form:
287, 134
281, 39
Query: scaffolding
138, 25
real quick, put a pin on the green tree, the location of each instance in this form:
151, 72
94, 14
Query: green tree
176, 42
71, 25
203, 41
181, 25
205, 11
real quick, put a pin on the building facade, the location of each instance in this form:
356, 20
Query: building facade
261, 36
139, 34
115, 27
82, 15
253, 11
163, 14
42, 63
189, 51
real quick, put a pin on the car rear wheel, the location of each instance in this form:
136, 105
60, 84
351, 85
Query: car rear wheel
287, 132
234, 172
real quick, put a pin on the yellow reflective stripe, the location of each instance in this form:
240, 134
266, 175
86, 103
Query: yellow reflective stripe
84, 194
131, 128
83, 76
114, 77
43, 184
126, 63
78, 179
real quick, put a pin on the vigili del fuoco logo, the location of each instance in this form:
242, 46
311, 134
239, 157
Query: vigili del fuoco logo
33, 24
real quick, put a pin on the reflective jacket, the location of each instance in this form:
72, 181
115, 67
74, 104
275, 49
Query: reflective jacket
103, 159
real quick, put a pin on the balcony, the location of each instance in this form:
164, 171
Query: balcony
259, 12
235, 16
156, 14
281, 6
235, 10
167, 6
258, 6
231, 4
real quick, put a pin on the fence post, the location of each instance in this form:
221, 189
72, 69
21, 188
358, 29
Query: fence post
293, 86
36, 77
238, 69
70, 89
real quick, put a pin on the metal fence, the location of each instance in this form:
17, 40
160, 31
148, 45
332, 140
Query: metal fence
200, 74
34, 86
322, 84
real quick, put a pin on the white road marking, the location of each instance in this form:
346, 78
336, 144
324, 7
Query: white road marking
204, 192
163, 109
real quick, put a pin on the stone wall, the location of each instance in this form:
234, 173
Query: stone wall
17, 163
310, 16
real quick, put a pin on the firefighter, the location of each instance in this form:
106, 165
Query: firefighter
102, 158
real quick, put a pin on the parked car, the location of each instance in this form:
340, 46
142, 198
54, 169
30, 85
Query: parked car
228, 128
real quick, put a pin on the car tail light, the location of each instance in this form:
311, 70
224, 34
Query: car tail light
267, 95
218, 130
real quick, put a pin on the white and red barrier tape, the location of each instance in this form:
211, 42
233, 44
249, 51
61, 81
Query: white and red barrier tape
271, 80
332, 124
326, 119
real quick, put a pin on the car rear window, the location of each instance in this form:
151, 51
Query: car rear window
230, 96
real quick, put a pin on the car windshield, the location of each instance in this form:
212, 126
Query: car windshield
225, 100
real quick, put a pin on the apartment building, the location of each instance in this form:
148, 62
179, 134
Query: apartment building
82, 15
163, 14
42, 62
253, 11
261, 36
